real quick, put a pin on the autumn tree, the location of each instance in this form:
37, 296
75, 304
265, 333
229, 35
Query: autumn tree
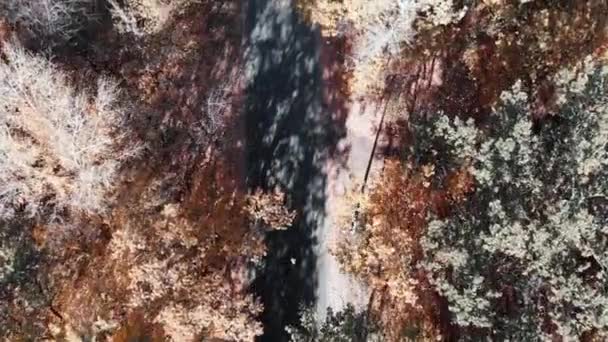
149, 249
144, 17
60, 147
385, 245
524, 258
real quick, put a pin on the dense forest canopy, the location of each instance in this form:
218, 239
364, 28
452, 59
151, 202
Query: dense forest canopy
303, 170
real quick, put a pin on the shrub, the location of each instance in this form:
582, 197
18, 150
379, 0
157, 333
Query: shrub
268, 210
525, 258
58, 145
347, 325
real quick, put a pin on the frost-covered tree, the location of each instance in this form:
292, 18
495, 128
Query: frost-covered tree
58, 145
388, 26
49, 21
526, 257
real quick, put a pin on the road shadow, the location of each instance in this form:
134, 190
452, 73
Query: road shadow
293, 128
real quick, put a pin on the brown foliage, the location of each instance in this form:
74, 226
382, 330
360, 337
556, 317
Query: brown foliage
460, 69
136, 329
198, 51
175, 247
216, 206
497, 43
269, 208
5, 32
385, 252
172, 268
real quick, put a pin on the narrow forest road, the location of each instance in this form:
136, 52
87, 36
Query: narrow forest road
297, 142
336, 289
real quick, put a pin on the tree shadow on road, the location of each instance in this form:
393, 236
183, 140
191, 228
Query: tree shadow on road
293, 130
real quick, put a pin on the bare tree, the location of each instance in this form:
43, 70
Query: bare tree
57, 144
140, 17
50, 21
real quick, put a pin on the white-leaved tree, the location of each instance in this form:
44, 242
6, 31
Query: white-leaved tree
390, 25
526, 257
142, 17
58, 145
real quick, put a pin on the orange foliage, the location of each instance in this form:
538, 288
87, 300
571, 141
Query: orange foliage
136, 329
178, 240
464, 67
215, 207
385, 252
169, 268
269, 209
458, 184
